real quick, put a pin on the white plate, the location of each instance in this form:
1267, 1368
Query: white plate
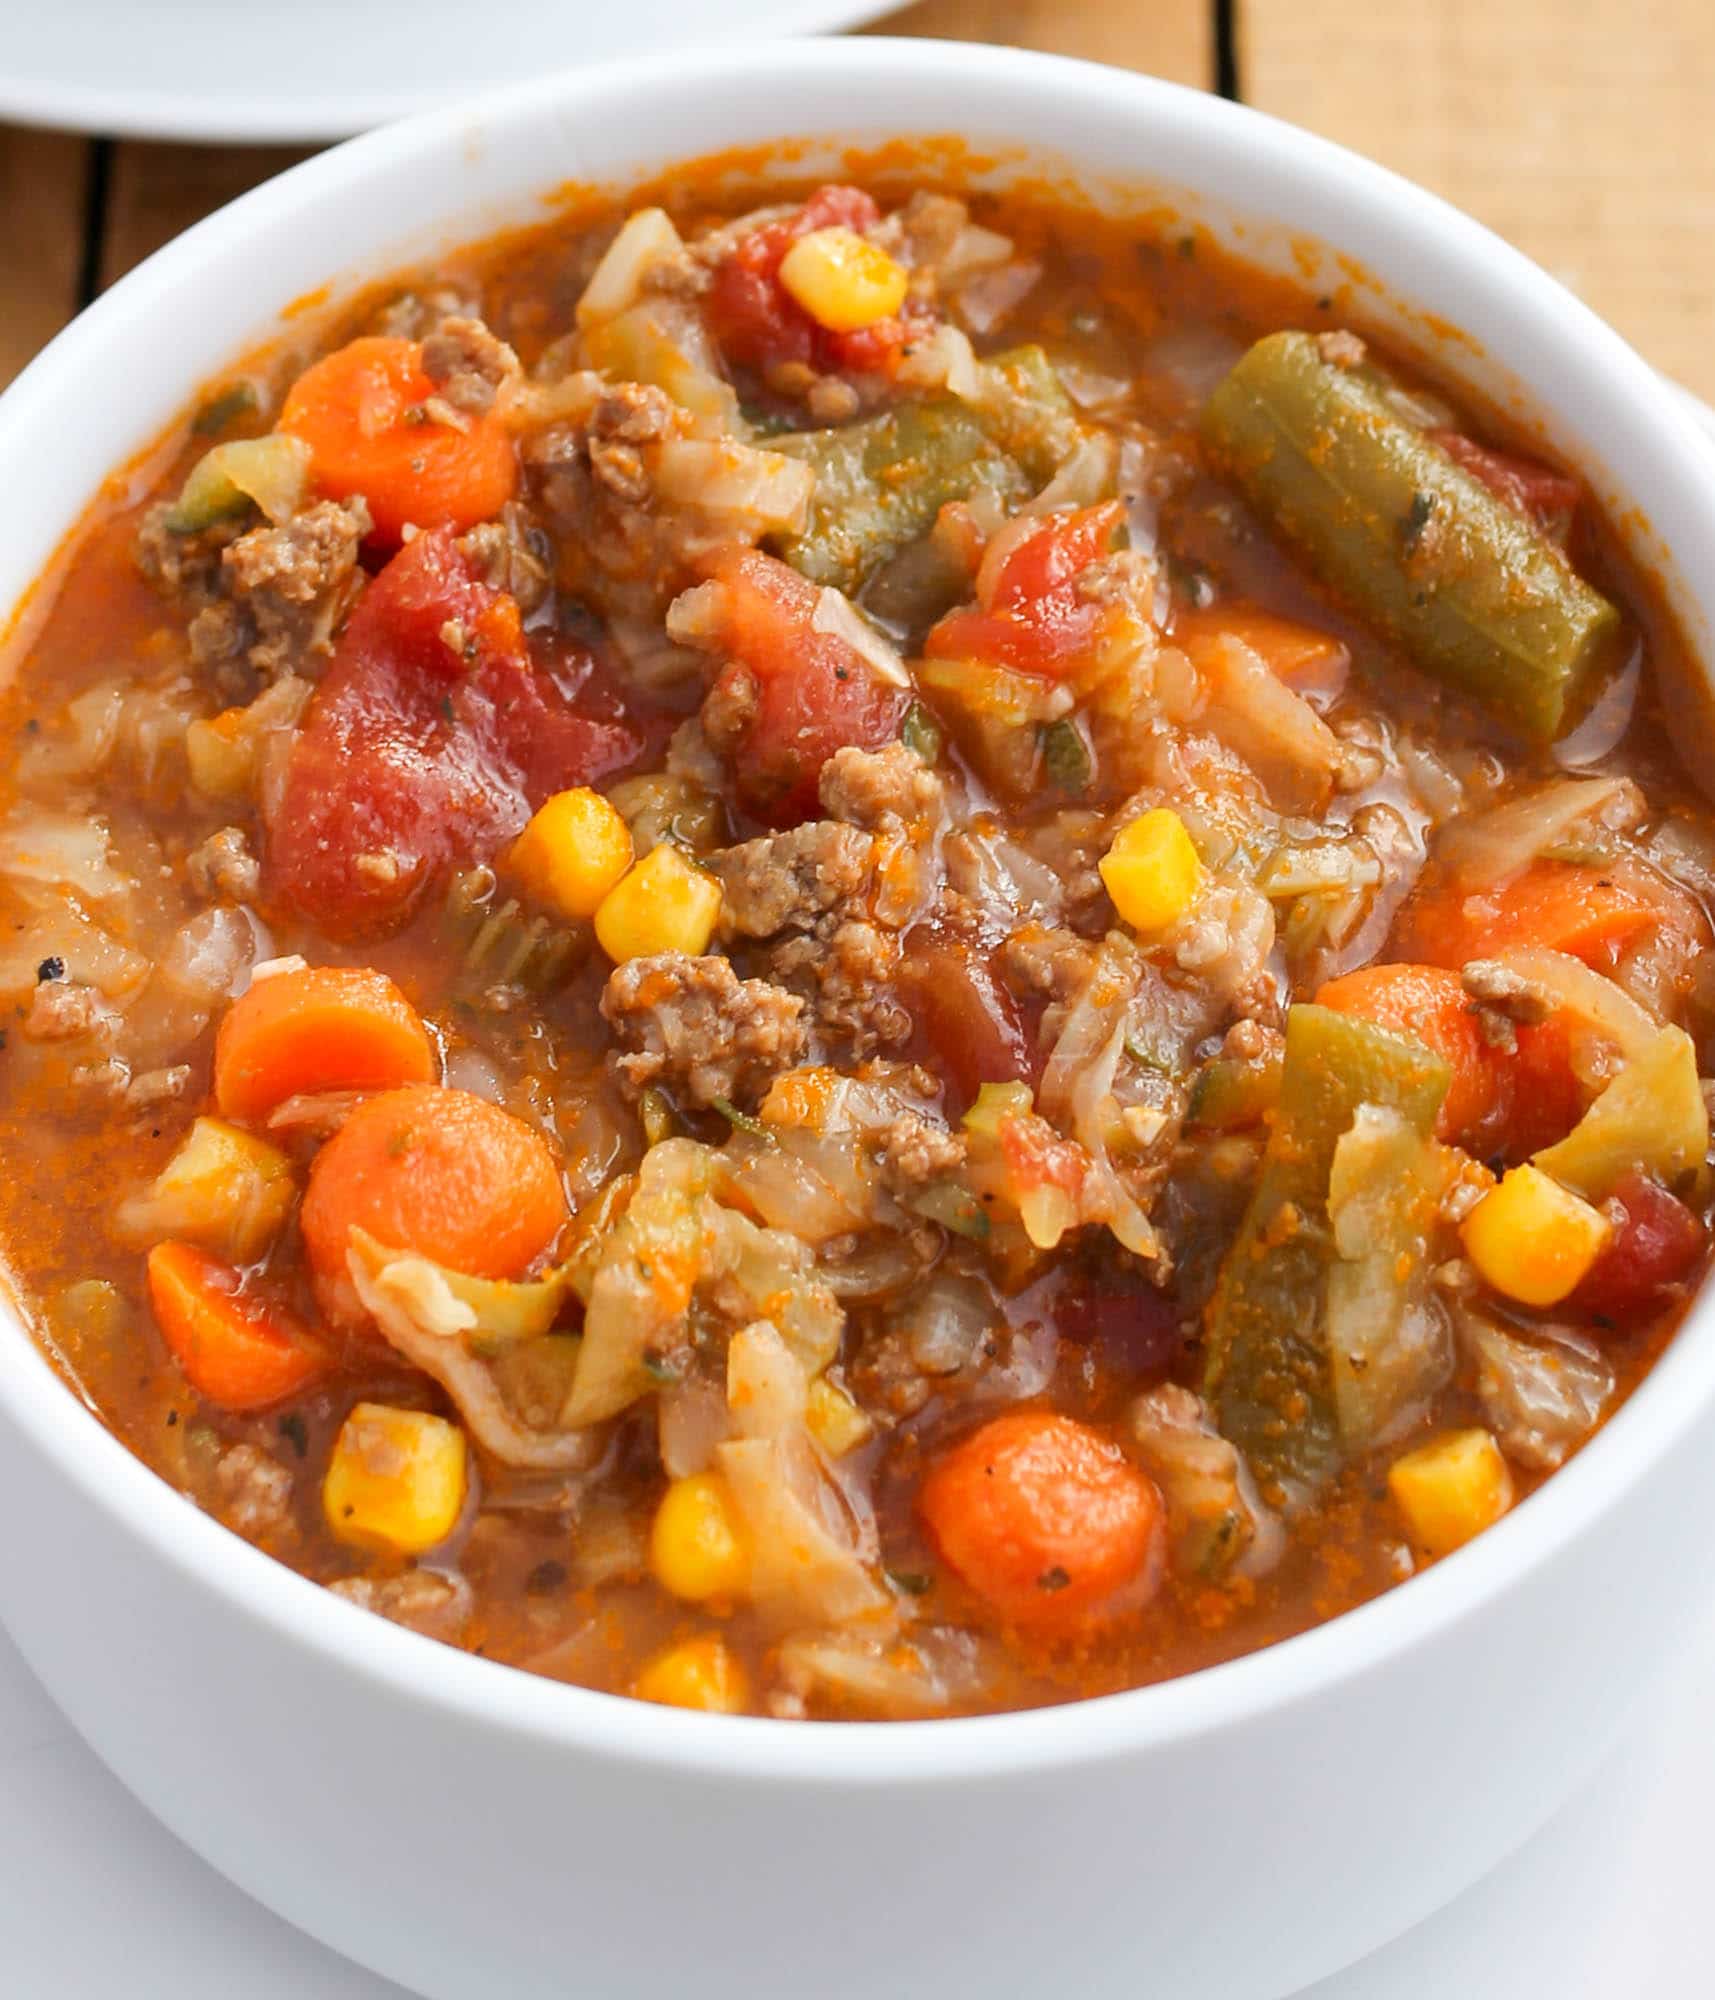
323, 69
1608, 1902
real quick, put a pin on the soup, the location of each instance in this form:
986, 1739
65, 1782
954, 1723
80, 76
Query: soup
882, 956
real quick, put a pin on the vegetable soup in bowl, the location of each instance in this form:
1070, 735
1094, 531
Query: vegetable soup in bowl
859, 933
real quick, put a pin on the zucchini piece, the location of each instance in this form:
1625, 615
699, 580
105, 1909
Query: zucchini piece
272, 472
880, 483
1467, 586
1267, 1371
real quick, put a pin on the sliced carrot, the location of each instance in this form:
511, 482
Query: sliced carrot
328, 1027
1589, 913
1307, 660
234, 1348
438, 1172
361, 412
1047, 1520
1507, 1101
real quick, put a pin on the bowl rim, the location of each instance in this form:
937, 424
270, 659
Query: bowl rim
1564, 337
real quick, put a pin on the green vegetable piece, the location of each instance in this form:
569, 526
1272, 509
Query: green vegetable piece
271, 472
1268, 1375
1419, 548
921, 733
241, 400
1026, 410
1228, 1094
953, 1207
1066, 757
880, 483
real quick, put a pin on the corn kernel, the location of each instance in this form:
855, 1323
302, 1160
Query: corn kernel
1532, 1239
395, 1481
574, 850
836, 1422
661, 904
1152, 871
224, 1190
1451, 1489
842, 280
701, 1673
696, 1547
996, 1102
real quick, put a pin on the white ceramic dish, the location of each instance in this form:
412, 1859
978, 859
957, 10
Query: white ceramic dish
323, 69
466, 1829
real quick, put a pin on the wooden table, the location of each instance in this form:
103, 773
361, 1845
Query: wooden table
1578, 131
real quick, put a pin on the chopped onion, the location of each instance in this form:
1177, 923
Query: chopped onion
973, 249
1487, 849
941, 360
394, 1299
1542, 1397
759, 490
836, 615
947, 1321
648, 238
1086, 476
983, 301
1285, 742
60, 850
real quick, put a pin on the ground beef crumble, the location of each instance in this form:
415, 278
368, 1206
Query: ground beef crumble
693, 1026
790, 881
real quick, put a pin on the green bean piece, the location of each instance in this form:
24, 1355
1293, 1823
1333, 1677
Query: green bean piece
1267, 1372
1026, 410
1416, 546
880, 483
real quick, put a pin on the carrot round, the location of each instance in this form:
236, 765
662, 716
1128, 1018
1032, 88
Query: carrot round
361, 412
1047, 1520
328, 1027
233, 1348
441, 1173
1586, 912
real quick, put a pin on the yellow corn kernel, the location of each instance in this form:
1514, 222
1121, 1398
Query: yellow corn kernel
574, 850
836, 1422
396, 1480
1532, 1239
1152, 871
996, 1102
696, 1547
842, 280
701, 1673
1451, 1489
224, 1190
661, 904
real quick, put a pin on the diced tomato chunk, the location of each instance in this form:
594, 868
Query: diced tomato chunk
1658, 1243
1030, 612
1537, 491
968, 1023
814, 693
431, 739
760, 325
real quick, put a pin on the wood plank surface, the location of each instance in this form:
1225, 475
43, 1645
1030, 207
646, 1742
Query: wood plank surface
1171, 38
157, 191
42, 183
1581, 132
